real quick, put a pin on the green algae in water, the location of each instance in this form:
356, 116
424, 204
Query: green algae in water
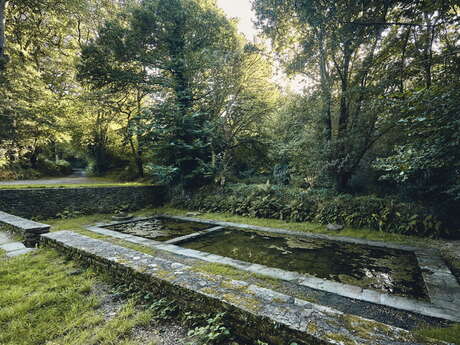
387, 270
159, 229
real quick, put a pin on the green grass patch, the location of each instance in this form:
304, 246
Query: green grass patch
42, 303
448, 334
77, 223
70, 185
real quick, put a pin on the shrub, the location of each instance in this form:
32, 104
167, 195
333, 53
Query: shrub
321, 206
47, 167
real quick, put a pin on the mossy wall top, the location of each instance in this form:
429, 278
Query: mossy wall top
41, 203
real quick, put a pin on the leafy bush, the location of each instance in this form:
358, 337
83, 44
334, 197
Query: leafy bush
50, 168
320, 206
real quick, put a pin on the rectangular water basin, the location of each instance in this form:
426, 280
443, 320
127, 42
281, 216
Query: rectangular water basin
159, 228
390, 271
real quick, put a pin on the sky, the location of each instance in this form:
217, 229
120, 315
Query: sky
241, 9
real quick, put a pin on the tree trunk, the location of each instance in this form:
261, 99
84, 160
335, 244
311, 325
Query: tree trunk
428, 50
3, 57
343, 178
137, 154
325, 89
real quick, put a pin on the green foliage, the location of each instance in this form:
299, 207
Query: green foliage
429, 157
213, 332
266, 201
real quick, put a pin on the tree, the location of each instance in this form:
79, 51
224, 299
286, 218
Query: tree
427, 160
39, 88
342, 47
168, 51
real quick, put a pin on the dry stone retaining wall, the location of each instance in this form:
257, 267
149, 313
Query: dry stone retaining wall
42, 203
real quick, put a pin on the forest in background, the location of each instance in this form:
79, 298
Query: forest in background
170, 92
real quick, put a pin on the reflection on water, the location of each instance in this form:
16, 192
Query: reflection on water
388, 270
159, 229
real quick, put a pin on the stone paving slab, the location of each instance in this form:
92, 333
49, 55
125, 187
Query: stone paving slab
29, 229
12, 246
20, 252
4, 238
440, 305
255, 311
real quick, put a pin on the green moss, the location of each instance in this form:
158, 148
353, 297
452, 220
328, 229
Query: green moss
248, 303
312, 328
230, 272
341, 338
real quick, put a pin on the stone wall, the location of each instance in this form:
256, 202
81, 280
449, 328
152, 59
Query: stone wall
42, 203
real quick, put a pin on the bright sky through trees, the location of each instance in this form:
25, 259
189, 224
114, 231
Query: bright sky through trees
240, 9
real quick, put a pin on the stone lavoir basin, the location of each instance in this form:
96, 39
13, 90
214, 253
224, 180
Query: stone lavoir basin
388, 270
407, 278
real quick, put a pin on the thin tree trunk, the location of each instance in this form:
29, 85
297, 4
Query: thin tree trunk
3, 58
428, 49
325, 89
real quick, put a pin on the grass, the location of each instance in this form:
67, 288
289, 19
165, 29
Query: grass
41, 302
70, 185
449, 334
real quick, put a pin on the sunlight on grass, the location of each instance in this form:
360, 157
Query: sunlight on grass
76, 223
41, 303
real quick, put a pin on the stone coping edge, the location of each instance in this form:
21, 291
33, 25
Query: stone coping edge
442, 287
254, 312
28, 229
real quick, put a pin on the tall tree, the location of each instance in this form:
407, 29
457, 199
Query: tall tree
167, 50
